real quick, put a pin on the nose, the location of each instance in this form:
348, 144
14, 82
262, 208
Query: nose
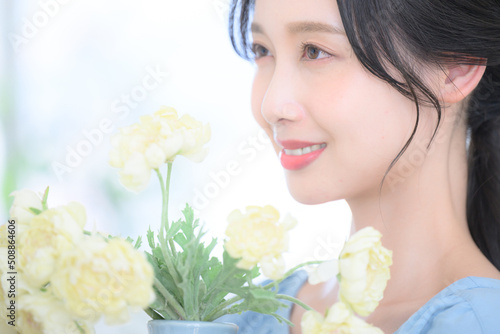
280, 104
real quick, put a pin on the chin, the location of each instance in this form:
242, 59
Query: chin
309, 195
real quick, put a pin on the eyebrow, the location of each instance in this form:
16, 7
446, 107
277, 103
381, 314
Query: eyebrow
304, 27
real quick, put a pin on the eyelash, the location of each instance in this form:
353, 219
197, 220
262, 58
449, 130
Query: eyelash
304, 48
254, 51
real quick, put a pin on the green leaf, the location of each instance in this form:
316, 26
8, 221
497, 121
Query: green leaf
260, 293
44, 199
213, 270
151, 238
174, 228
203, 282
138, 242
36, 211
181, 240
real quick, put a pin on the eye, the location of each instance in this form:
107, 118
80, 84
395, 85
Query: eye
312, 52
259, 51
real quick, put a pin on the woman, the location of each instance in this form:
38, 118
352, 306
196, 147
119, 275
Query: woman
395, 107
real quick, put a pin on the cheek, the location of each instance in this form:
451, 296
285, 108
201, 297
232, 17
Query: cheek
365, 110
367, 120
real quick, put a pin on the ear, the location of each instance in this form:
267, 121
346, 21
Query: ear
460, 81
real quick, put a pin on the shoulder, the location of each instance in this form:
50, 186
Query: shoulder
470, 305
256, 323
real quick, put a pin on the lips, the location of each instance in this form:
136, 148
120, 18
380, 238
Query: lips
296, 155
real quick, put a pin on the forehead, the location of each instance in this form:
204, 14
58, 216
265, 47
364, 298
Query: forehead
283, 12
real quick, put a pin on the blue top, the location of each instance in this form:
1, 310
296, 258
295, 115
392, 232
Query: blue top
468, 306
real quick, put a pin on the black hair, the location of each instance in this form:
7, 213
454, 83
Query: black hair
406, 35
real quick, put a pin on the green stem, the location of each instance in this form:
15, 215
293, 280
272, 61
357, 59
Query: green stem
166, 252
167, 195
167, 313
171, 301
153, 314
291, 271
295, 301
219, 311
222, 313
214, 314
80, 328
164, 204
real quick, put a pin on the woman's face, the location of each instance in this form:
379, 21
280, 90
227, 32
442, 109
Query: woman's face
335, 126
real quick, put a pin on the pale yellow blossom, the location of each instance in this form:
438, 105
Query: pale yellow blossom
135, 173
4, 289
258, 237
7, 329
104, 278
41, 312
339, 320
154, 141
23, 201
324, 272
50, 235
364, 271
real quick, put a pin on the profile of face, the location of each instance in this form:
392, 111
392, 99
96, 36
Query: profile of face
335, 126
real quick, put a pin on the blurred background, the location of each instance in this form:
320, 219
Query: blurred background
72, 72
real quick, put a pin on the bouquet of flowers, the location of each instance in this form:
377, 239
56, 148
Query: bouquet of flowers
69, 278
190, 283
61, 278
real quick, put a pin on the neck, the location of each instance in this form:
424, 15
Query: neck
422, 217
420, 212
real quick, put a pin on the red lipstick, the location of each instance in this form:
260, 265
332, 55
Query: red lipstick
296, 155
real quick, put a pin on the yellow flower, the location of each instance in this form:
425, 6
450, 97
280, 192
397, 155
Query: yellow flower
50, 234
104, 278
41, 312
7, 329
154, 141
313, 323
324, 272
339, 320
364, 271
4, 288
258, 237
23, 201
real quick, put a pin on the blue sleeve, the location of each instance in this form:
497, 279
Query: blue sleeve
458, 319
471, 305
476, 311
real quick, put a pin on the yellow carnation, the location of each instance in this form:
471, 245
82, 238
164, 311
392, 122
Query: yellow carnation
339, 320
364, 271
154, 141
50, 234
41, 312
7, 329
4, 286
104, 278
324, 271
258, 237
23, 201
